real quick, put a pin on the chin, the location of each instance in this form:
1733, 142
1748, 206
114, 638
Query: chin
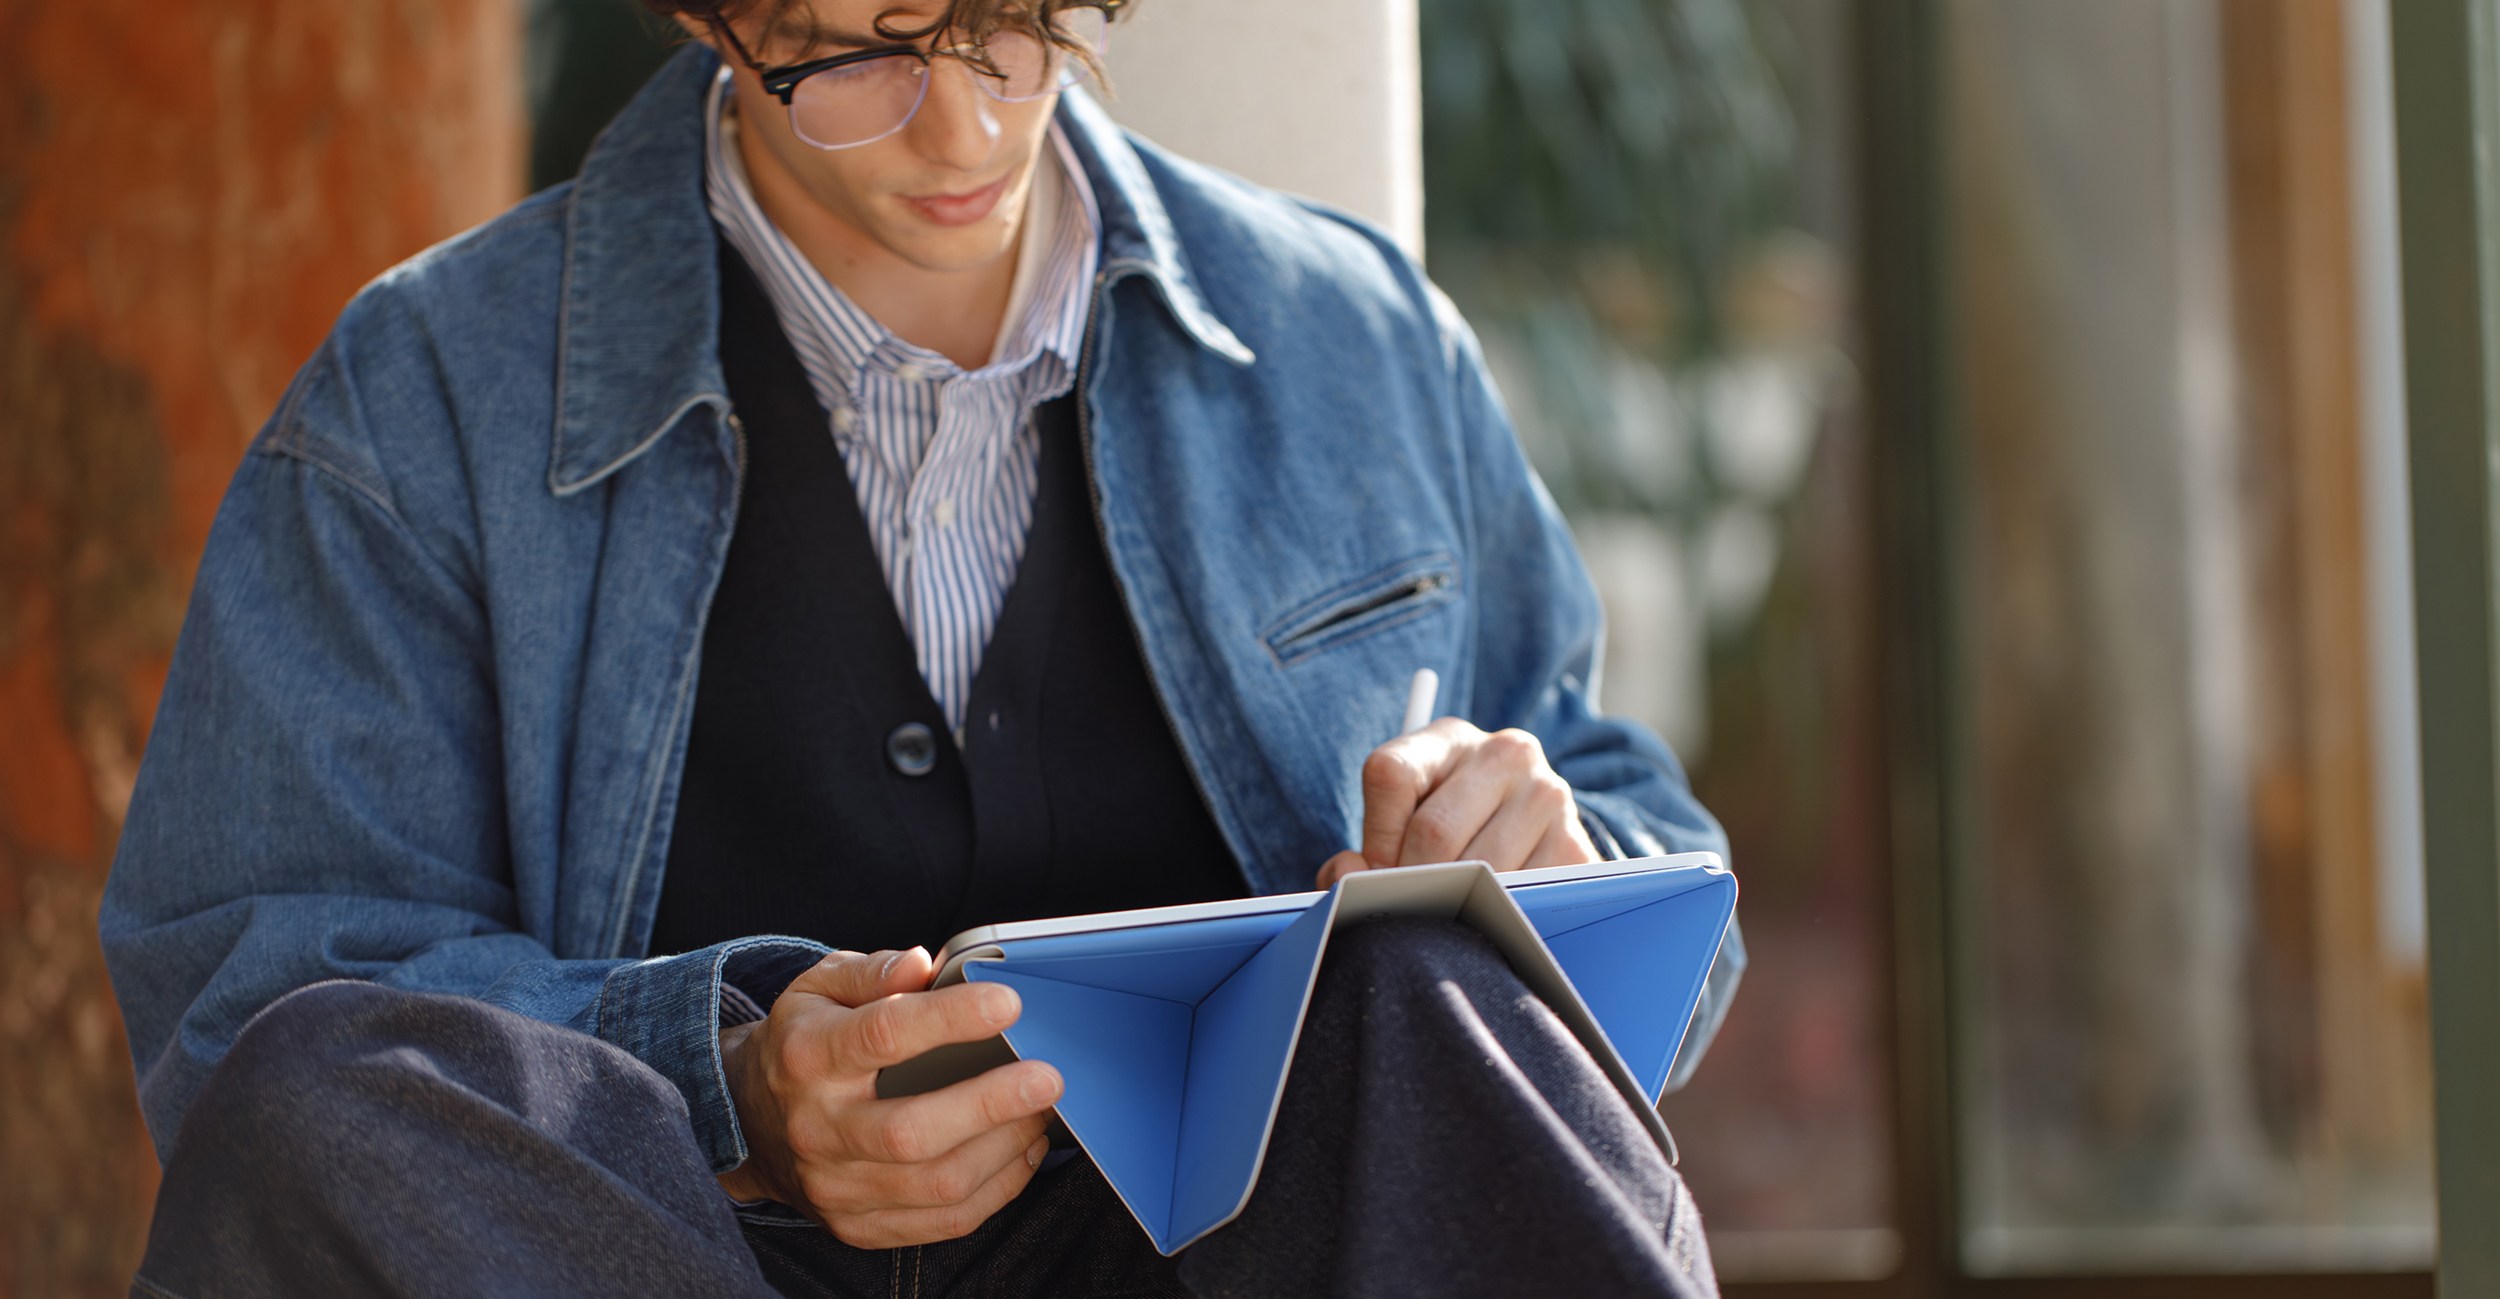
951, 248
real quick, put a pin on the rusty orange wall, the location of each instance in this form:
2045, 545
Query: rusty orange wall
189, 191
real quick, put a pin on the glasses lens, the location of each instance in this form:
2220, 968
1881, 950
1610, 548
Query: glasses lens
857, 103
1029, 68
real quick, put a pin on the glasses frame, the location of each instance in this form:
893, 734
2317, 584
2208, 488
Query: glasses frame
782, 81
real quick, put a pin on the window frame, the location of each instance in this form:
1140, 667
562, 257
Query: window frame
2448, 140
2447, 90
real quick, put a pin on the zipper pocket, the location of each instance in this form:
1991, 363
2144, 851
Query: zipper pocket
1362, 607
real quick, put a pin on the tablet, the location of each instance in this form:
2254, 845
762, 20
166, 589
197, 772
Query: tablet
1175, 1026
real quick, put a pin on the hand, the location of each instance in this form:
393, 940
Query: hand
882, 1173
1450, 792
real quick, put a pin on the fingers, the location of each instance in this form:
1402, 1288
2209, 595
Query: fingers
893, 1228
909, 972
893, 1029
1340, 866
1566, 844
1397, 777
1451, 792
1452, 816
917, 1129
857, 978
1512, 834
954, 1176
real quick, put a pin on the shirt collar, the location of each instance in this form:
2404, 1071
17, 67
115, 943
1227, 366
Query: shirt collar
1059, 236
638, 339
1045, 314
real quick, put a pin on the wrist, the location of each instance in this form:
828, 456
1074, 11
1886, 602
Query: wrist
742, 1182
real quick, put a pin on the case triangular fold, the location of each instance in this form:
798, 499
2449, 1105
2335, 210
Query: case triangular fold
1125, 1057
1638, 965
1241, 1046
1173, 1098
1555, 910
1180, 962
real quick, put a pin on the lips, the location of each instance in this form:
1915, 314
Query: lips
959, 209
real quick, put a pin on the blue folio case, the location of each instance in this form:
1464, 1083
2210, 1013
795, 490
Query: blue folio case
1174, 1027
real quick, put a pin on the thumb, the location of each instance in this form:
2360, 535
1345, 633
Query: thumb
1396, 779
1340, 866
857, 978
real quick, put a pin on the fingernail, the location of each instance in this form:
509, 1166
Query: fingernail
999, 1005
1033, 1153
892, 959
1040, 1086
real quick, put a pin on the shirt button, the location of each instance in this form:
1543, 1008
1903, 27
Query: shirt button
946, 512
912, 749
914, 372
845, 419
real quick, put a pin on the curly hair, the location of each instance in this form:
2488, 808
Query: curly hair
966, 25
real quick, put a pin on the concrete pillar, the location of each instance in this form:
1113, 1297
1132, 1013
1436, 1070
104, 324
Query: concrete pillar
1316, 97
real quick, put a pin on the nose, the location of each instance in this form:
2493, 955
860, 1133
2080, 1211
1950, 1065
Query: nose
958, 123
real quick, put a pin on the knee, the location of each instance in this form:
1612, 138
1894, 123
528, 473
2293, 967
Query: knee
293, 1047
272, 1106
350, 1068
279, 1049
1416, 952
310, 1011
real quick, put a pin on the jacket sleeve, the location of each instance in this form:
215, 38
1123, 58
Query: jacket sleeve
322, 798
1538, 643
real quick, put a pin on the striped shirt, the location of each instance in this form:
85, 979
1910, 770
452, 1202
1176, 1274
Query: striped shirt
944, 460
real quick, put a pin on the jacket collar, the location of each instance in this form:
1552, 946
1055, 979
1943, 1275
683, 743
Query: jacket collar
638, 347
1137, 231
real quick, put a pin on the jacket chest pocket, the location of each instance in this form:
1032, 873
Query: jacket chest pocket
1353, 610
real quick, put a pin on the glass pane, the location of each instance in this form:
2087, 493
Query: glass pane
2191, 1025
1644, 206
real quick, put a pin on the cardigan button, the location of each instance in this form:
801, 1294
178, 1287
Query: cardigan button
912, 749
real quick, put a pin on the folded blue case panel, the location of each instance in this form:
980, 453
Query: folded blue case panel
1174, 962
1638, 949
1125, 1058
1241, 1045
1557, 909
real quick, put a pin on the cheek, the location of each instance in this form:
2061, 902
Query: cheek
1030, 122
841, 182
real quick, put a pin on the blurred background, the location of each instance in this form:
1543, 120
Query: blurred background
1985, 420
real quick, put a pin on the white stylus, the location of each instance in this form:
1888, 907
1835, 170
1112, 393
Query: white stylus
1420, 698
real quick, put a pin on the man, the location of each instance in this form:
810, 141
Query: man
876, 498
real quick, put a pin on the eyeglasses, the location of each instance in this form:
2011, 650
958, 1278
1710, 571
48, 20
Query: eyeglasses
863, 96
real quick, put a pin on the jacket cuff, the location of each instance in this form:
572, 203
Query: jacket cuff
668, 1012
1716, 995
1615, 825
1620, 832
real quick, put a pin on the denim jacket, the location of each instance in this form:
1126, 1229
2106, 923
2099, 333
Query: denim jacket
426, 719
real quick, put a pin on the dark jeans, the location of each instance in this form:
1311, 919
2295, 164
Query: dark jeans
1441, 1134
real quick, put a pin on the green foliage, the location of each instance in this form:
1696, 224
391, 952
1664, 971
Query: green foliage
1657, 127
1593, 171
